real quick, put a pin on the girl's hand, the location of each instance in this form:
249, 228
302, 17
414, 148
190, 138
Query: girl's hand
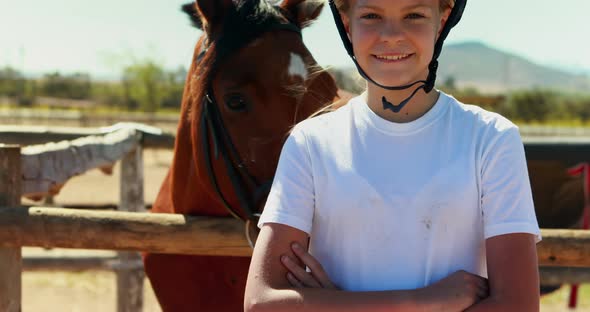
458, 291
299, 277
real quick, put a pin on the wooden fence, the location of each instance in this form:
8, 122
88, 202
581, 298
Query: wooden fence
87, 118
34, 171
564, 255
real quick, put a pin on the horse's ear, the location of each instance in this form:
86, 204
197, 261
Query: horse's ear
212, 13
304, 11
191, 10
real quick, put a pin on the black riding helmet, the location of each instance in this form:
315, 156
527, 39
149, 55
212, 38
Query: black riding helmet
427, 84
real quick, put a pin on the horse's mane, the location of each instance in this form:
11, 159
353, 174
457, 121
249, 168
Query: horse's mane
245, 22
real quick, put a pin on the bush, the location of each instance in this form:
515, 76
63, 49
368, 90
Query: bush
532, 105
12, 83
75, 86
146, 85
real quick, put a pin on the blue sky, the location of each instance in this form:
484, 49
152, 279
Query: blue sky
100, 36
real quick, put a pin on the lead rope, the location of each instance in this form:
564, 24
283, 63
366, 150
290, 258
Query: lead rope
582, 169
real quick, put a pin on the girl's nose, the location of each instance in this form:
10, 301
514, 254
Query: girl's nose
392, 32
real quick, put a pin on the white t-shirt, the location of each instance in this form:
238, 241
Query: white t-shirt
402, 205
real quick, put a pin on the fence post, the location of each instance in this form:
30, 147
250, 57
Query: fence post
130, 274
10, 258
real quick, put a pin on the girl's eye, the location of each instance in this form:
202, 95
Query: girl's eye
370, 16
415, 16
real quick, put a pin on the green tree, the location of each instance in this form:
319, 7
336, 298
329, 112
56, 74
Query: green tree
75, 86
532, 105
582, 109
449, 85
143, 84
12, 83
174, 88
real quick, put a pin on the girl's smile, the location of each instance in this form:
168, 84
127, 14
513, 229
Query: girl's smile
392, 58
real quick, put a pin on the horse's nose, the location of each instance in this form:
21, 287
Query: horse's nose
260, 148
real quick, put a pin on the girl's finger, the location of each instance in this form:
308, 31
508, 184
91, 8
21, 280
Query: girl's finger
317, 270
303, 276
482, 293
483, 290
294, 281
483, 285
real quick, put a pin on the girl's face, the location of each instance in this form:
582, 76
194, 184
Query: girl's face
394, 40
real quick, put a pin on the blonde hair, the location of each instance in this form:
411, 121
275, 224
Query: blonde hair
343, 5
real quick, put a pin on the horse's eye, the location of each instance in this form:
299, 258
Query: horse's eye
236, 103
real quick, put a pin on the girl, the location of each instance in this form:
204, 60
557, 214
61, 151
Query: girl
403, 199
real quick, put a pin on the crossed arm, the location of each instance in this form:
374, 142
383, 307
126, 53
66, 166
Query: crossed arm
513, 273
512, 268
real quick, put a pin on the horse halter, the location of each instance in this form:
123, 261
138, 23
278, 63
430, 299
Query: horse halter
214, 131
428, 84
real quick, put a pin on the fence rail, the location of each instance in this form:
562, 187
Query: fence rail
82, 118
181, 234
152, 137
117, 230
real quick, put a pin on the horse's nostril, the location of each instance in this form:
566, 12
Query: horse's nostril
259, 147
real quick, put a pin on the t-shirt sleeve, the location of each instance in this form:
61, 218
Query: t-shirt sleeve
291, 198
506, 196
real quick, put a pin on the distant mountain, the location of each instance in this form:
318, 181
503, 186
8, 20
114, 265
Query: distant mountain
492, 70
474, 64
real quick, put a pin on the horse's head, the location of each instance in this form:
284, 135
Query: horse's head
252, 70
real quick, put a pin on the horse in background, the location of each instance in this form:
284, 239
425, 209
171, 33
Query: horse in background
251, 80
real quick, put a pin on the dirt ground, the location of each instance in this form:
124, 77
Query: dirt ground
95, 291
90, 291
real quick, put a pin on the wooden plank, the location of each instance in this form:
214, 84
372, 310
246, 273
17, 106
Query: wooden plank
129, 279
179, 234
10, 257
74, 264
118, 230
29, 135
570, 248
45, 168
564, 275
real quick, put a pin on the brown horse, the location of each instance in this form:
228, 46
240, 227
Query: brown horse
559, 198
250, 81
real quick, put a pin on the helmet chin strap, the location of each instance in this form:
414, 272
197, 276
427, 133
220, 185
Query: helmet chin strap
427, 85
